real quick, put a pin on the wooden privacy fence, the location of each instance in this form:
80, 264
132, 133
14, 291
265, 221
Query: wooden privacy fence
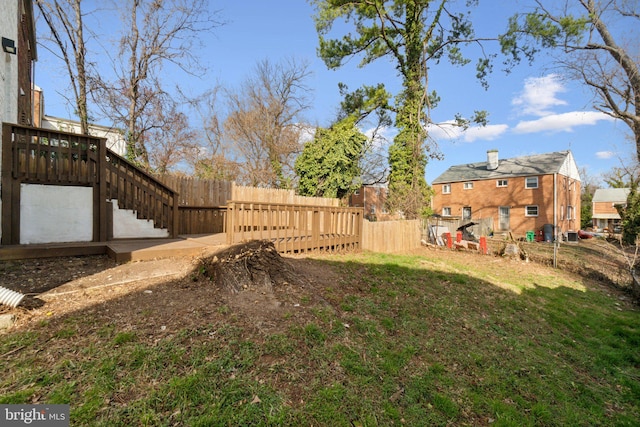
199, 192
276, 195
201, 203
295, 228
391, 236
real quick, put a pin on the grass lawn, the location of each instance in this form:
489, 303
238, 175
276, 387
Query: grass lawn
415, 340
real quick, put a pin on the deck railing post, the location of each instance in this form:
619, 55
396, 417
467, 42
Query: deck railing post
6, 216
100, 214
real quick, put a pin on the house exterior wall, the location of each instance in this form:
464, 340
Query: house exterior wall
9, 66
373, 199
486, 198
25, 57
605, 216
55, 214
606, 208
115, 140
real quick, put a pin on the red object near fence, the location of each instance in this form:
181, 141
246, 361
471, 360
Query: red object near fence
447, 237
483, 246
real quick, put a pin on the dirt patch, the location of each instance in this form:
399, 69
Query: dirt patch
251, 282
165, 295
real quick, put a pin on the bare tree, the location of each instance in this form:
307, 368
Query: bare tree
264, 124
171, 139
598, 44
64, 20
206, 158
156, 33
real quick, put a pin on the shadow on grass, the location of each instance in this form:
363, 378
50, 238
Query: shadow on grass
385, 340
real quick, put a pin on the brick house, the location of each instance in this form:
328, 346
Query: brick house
521, 194
605, 215
372, 198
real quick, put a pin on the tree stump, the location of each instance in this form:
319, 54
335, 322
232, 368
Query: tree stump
248, 265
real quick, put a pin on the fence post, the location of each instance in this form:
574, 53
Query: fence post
315, 229
230, 222
175, 220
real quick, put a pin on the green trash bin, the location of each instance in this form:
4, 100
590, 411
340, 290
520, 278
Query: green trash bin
531, 236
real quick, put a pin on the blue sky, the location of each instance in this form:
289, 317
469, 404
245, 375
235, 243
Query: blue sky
531, 110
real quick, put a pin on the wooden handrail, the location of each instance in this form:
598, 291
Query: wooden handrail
139, 191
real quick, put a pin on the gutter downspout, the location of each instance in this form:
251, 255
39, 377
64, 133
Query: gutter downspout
555, 219
555, 206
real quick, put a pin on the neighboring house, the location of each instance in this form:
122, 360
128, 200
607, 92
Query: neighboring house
605, 215
522, 194
372, 198
114, 136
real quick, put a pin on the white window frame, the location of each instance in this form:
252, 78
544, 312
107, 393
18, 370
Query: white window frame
446, 211
502, 183
526, 182
465, 208
468, 185
570, 212
446, 188
528, 214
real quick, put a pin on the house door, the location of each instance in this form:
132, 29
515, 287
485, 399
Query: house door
504, 213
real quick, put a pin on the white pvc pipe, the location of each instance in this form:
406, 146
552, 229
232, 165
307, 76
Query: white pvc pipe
9, 297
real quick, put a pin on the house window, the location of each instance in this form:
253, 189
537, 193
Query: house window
531, 182
468, 185
466, 212
446, 188
502, 183
531, 210
446, 211
356, 193
569, 212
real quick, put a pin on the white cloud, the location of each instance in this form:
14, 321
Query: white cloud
605, 154
485, 133
445, 130
449, 130
539, 95
564, 122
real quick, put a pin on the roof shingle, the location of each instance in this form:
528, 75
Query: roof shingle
538, 164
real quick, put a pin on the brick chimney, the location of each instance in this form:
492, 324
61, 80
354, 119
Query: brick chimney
492, 160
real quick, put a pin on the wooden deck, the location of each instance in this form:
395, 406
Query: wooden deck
121, 250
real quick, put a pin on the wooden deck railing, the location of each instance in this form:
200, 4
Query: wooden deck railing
295, 228
137, 190
45, 156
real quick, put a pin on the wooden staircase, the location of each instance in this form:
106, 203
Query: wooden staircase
140, 192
